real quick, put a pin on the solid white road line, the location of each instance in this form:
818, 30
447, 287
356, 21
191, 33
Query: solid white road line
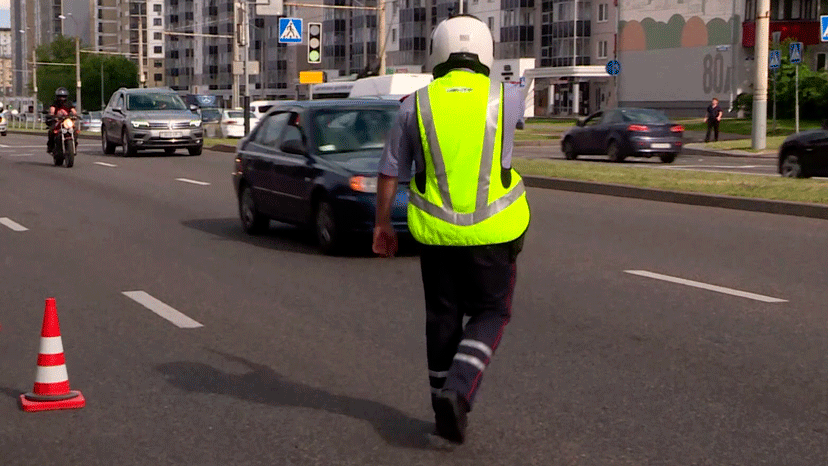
11, 224
705, 286
200, 183
19, 155
106, 164
163, 310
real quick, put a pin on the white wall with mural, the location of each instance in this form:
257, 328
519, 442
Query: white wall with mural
682, 53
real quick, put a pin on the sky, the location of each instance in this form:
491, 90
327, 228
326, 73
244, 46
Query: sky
5, 20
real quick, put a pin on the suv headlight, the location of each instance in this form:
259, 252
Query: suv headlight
140, 124
195, 123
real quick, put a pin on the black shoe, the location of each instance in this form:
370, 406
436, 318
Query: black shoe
450, 411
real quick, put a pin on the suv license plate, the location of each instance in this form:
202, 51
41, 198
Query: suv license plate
660, 145
170, 134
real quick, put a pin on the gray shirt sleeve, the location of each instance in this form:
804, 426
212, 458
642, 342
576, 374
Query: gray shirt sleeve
403, 146
513, 108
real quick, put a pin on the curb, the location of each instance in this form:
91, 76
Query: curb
797, 209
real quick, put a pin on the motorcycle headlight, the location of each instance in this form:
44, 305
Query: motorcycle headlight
140, 124
68, 123
195, 123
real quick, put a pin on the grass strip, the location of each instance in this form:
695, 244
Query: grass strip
749, 186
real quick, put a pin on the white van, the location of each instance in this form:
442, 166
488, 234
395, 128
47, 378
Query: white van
258, 108
392, 86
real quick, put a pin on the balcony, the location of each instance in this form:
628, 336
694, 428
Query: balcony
805, 31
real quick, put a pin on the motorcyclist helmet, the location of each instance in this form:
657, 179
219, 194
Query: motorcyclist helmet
61, 94
461, 41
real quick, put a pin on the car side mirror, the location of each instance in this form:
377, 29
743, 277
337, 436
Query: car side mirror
293, 146
117, 109
581, 122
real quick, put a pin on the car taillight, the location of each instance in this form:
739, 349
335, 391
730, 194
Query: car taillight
677, 129
637, 128
231, 122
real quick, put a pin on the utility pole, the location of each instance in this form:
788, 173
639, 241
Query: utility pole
760, 83
34, 77
77, 71
381, 35
141, 79
246, 100
236, 41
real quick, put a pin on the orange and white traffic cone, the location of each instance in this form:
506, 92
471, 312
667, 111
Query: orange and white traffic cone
51, 388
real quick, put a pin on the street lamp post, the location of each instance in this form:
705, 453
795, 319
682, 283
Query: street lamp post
77, 60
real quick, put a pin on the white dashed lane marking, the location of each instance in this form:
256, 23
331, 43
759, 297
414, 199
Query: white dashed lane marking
163, 310
200, 183
705, 286
105, 164
11, 224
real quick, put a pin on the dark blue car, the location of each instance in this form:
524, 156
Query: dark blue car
314, 164
624, 132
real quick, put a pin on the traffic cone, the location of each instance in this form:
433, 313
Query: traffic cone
51, 387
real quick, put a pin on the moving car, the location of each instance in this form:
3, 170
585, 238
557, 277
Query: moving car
91, 122
232, 123
4, 124
151, 118
803, 154
392, 86
258, 108
624, 132
314, 164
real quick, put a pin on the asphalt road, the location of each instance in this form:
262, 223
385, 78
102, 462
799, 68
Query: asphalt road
303, 359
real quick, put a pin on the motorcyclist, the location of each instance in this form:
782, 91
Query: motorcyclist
61, 106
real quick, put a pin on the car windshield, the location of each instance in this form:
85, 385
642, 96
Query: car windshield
346, 130
239, 114
636, 115
155, 101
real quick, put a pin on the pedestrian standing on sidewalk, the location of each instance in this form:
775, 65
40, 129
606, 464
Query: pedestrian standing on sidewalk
714, 116
467, 208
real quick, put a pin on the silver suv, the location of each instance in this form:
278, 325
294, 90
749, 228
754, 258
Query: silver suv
153, 118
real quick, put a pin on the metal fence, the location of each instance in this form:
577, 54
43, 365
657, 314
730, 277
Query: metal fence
26, 121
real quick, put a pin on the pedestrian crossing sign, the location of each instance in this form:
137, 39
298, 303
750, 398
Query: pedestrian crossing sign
774, 59
796, 52
290, 30
824, 28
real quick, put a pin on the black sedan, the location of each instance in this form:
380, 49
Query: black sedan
804, 154
624, 132
314, 164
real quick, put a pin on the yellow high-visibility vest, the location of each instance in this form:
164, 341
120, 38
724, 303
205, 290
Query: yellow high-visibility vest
464, 201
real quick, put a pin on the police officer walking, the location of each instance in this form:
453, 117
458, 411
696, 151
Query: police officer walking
467, 208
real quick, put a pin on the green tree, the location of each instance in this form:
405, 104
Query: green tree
118, 71
813, 88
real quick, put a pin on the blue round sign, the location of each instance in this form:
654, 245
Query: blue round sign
613, 67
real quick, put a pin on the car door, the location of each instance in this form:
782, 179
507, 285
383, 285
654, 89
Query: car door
820, 151
600, 132
108, 118
586, 137
293, 169
257, 157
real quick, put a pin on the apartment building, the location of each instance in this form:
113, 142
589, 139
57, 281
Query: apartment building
6, 66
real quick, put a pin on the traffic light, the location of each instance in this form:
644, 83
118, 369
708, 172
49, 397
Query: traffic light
314, 42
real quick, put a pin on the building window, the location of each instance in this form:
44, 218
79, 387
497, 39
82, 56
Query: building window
822, 61
393, 35
156, 22
158, 36
156, 8
158, 77
603, 12
491, 23
158, 64
602, 49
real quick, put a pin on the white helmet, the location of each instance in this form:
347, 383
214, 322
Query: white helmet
461, 41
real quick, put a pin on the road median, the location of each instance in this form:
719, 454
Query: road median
804, 198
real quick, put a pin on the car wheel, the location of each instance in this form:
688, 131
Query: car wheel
129, 148
668, 158
252, 221
106, 146
614, 152
791, 167
326, 228
569, 150
195, 150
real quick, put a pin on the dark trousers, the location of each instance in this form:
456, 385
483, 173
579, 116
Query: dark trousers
474, 281
712, 124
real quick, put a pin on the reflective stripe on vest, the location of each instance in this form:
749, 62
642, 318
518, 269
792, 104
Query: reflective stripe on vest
483, 210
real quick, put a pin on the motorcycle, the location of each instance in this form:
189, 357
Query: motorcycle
65, 139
